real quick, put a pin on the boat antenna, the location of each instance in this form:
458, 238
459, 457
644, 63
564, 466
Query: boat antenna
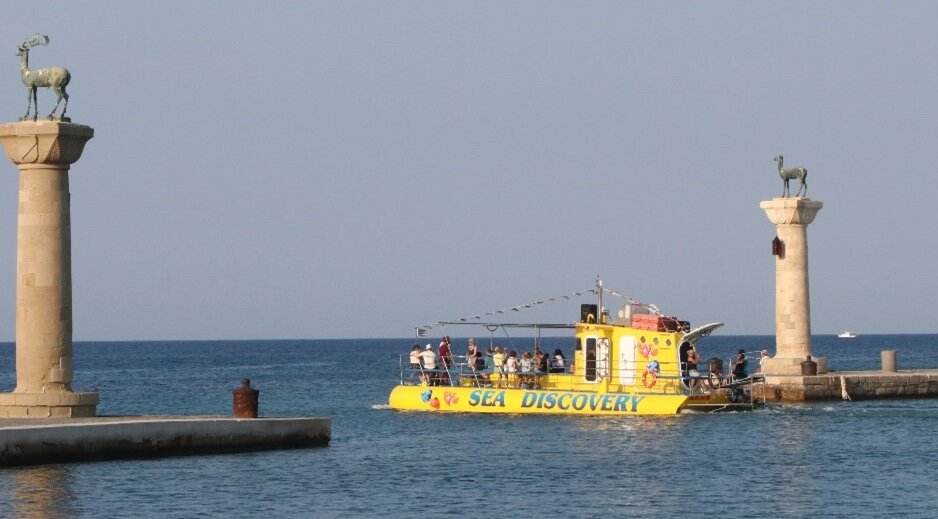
599, 290
491, 330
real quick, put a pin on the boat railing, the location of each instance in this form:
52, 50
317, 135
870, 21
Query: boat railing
658, 377
713, 377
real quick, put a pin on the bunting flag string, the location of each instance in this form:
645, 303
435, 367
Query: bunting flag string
422, 330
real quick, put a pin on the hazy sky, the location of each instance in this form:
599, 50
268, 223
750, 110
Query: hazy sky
353, 169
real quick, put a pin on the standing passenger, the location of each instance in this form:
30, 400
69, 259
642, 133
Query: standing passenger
739, 365
429, 364
445, 353
498, 363
446, 360
471, 354
527, 365
692, 372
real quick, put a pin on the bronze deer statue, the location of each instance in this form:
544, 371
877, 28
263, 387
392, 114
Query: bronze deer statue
56, 78
800, 174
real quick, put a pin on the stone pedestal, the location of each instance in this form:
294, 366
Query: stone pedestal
43, 152
791, 217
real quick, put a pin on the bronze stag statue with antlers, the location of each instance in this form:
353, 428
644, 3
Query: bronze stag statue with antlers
800, 174
56, 78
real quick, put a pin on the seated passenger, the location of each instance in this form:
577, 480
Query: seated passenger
558, 362
541, 362
511, 367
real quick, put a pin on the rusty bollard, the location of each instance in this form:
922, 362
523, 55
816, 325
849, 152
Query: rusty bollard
808, 367
244, 403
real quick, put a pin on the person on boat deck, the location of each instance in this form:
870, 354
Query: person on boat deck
527, 365
429, 363
498, 365
693, 373
445, 361
445, 353
541, 362
558, 364
739, 365
472, 354
685, 347
476, 363
415, 357
511, 366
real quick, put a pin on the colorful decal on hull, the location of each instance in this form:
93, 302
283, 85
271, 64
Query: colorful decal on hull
485, 400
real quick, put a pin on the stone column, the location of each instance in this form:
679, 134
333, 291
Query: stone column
43, 152
791, 217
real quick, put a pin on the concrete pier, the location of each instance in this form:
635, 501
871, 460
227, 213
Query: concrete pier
858, 385
54, 440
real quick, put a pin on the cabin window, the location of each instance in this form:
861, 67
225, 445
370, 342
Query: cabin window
579, 345
590, 371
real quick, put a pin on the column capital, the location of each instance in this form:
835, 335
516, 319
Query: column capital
53, 143
791, 211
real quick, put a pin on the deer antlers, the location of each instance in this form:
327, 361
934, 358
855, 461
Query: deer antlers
35, 40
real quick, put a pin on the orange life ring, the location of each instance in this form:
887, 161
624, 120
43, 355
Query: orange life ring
647, 381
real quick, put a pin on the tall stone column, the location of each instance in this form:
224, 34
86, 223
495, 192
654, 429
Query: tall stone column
43, 152
791, 217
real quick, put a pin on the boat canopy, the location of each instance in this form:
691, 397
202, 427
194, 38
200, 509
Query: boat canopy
701, 331
516, 325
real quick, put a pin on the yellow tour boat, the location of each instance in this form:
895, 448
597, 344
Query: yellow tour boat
634, 363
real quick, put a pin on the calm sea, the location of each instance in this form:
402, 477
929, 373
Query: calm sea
837, 459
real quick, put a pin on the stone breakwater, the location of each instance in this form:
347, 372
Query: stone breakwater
34, 441
858, 385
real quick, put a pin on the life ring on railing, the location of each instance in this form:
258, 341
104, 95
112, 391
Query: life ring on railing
649, 378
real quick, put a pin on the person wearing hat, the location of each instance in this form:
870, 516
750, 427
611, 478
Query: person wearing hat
445, 351
739, 365
429, 363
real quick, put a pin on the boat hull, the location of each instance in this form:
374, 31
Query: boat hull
531, 401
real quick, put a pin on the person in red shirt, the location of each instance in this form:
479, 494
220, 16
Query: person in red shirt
445, 353
446, 360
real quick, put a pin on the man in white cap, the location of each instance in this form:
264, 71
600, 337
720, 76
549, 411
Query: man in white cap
429, 362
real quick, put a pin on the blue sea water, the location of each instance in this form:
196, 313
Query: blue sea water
863, 459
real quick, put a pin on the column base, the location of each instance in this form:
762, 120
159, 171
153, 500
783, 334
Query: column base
65, 404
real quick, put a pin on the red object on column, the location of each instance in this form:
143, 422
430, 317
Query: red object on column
778, 247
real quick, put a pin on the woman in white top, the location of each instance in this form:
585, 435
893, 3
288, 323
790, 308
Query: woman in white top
511, 366
429, 358
429, 362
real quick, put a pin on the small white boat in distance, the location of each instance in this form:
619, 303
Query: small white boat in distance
847, 335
